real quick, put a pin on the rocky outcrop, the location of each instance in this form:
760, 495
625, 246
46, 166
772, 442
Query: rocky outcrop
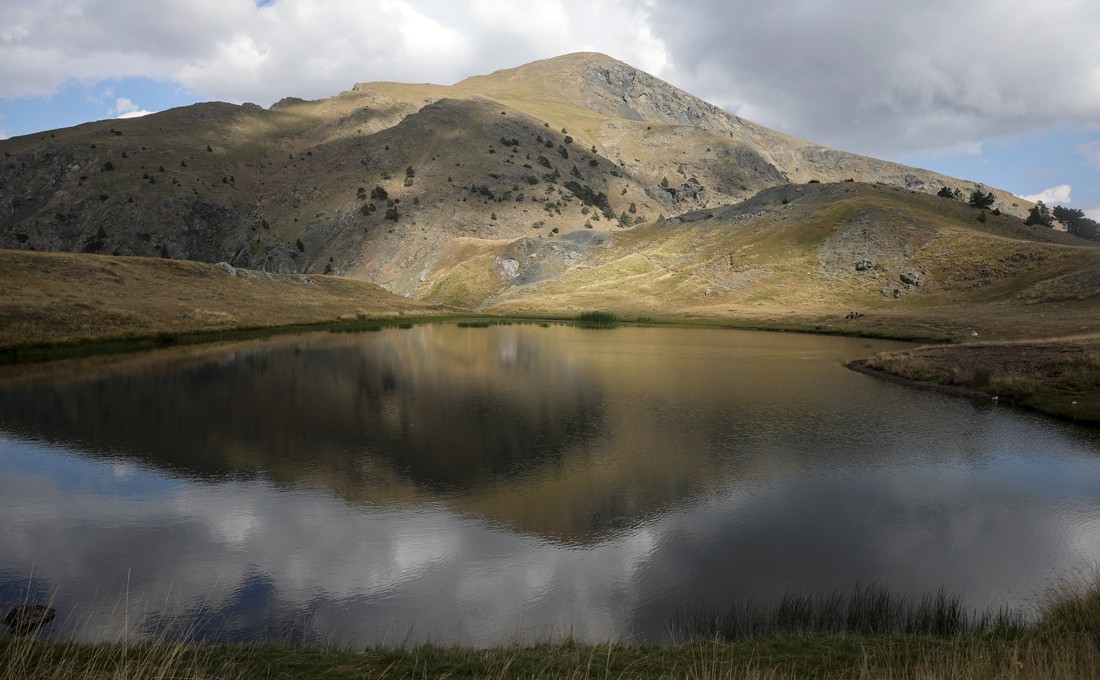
292, 189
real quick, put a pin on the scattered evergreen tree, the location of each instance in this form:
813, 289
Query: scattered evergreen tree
378, 194
981, 199
1040, 214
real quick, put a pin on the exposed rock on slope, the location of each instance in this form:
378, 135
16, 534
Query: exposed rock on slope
377, 183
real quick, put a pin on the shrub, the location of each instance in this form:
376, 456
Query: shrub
1040, 214
597, 320
981, 199
981, 377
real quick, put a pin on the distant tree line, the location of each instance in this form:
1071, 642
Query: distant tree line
1075, 220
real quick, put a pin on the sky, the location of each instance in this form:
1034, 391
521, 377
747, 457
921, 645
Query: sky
1005, 93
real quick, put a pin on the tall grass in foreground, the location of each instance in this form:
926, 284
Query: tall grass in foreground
859, 636
869, 610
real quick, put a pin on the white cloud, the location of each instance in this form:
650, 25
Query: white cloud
1093, 213
889, 78
878, 78
1058, 195
126, 108
123, 106
237, 51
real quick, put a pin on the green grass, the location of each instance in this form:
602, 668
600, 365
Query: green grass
50, 351
597, 320
868, 634
868, 610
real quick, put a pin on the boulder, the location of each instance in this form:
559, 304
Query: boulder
910, 278
26, 618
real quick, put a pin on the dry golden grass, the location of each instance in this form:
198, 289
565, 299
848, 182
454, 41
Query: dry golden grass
1063, 643
1059, 377
54, 298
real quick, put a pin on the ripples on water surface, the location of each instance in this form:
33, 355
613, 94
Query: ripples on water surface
483, 485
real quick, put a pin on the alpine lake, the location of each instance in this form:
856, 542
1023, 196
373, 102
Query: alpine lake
487, 485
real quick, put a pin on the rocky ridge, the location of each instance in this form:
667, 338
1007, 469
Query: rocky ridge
384, 182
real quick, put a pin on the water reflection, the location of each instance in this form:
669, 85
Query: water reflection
477, 485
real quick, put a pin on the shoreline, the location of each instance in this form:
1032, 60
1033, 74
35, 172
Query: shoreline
860, 366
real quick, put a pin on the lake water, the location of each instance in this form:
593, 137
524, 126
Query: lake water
516, 482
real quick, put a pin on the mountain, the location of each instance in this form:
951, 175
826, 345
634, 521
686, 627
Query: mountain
398, 184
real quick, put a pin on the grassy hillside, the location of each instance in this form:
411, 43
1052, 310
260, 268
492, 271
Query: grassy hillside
50, 299
804, 256
569, 184
580, 141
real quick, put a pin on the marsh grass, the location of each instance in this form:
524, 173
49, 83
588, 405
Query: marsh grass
597, 320
981, 377
868, 634
868, 610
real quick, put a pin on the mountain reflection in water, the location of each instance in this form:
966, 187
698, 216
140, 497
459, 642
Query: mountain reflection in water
473, 485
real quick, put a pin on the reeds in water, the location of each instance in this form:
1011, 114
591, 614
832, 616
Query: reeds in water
597, 320
868, 610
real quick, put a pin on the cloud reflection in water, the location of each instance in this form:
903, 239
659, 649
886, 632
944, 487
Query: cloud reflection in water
479, 485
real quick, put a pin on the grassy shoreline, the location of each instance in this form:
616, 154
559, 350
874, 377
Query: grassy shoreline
67, 347
1063, 641
60, 306
1059, 377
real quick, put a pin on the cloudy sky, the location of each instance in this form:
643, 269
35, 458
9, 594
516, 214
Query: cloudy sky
1003, 92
